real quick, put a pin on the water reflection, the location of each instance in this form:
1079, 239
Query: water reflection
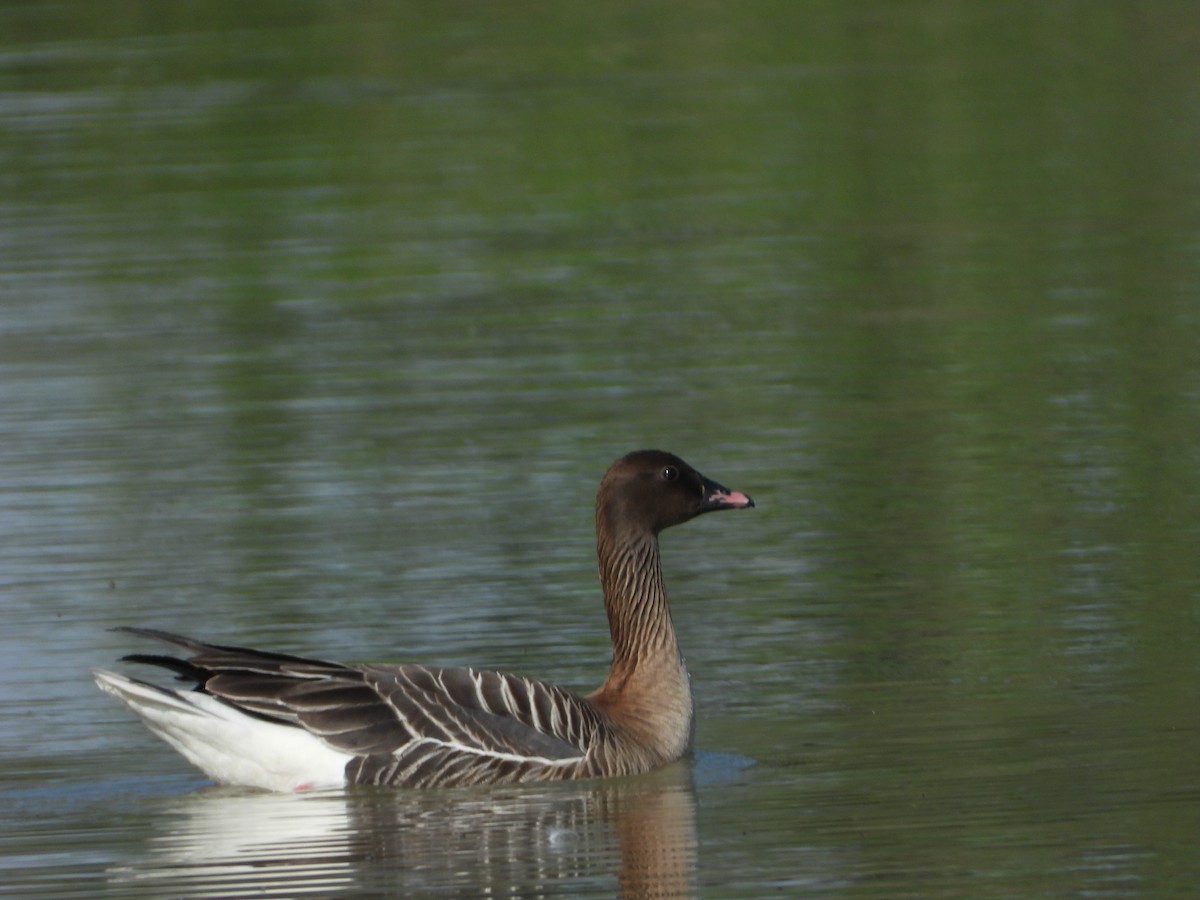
630, 837
317, 321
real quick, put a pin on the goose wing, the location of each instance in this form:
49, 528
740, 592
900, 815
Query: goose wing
405, 724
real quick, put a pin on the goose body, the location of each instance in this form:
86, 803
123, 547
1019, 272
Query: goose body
286, 723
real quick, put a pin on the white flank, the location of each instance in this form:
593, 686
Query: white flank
229, 746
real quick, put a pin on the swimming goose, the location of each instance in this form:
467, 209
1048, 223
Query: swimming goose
287, 723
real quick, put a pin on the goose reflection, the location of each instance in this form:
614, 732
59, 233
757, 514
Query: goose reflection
632, 837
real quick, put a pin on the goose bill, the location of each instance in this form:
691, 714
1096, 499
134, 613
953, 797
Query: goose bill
718, 496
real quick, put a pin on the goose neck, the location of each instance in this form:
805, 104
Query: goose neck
636, 601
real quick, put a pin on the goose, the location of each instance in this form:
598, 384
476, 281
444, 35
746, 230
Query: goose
290, 723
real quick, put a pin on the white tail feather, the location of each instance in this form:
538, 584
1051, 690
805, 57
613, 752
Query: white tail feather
228, 745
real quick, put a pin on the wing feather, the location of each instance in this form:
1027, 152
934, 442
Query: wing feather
409, 724
472, 710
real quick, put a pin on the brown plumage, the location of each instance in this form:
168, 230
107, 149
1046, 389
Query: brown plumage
427, 726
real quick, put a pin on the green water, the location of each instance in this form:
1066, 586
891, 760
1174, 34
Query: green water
318, 325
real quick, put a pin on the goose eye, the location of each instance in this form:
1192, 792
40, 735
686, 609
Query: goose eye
670, 473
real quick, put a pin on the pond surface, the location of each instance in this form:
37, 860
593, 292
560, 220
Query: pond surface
318, 327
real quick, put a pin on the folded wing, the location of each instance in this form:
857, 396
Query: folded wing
419, 726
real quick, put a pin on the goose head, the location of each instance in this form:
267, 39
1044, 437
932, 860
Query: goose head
649, 490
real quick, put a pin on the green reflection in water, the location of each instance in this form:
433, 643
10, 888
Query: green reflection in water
297, 300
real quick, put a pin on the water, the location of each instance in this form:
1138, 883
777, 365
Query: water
318, 328
633, 836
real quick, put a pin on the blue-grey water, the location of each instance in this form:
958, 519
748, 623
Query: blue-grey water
319, 324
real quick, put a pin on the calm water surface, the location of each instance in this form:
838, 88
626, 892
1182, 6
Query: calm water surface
317, 330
